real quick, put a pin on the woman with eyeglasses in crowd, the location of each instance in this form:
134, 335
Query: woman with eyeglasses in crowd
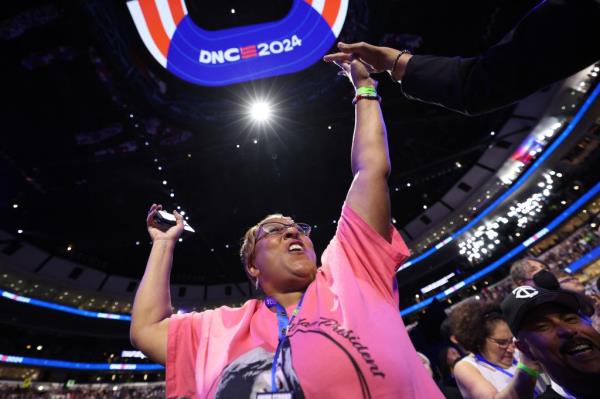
494, 368
328, 331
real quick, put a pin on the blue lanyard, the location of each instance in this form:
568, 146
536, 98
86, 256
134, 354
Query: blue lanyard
283, 324
514, 362
500, 369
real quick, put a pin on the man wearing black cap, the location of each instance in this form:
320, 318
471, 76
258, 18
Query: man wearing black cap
552, 326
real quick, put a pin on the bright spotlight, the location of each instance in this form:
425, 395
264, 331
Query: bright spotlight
260, 111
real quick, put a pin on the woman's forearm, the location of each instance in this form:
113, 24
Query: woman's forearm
369, 194
369, 147
152, 302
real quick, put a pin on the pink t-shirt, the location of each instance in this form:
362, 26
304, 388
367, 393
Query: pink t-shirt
348, 341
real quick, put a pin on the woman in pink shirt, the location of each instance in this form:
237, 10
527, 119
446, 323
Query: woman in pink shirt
332, 331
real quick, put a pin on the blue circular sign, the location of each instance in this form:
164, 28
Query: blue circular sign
228, 56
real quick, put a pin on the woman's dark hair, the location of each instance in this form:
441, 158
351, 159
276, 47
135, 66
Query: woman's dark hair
446, 330
472, 322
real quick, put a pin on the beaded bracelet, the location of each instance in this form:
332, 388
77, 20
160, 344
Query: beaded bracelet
366, 93
365, 97
396, 61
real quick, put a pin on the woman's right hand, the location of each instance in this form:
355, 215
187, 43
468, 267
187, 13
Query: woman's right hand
159, 231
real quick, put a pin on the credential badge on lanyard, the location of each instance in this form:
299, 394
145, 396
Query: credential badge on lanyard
283, 324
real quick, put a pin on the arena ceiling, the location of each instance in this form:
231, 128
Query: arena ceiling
94, 131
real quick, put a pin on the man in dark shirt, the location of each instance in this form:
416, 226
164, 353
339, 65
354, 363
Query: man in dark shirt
552, 326
553, 41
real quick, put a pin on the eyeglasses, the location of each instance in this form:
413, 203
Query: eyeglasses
277, 228
502, 343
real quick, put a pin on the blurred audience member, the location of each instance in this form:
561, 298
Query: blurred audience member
449, 337
528, 271
448, 357
96, 391
571, 283
553, 327
449, 392
492, 370
523, 270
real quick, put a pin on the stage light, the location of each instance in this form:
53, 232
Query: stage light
15, 206
260, 111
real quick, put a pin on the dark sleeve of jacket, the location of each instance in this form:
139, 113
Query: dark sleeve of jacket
555, 40
550, 394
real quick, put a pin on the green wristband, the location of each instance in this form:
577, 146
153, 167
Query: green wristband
366, 90
532, 373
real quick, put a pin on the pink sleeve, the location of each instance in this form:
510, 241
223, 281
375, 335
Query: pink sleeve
369, 255
182, 347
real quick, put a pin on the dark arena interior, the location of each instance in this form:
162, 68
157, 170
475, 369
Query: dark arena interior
105, 114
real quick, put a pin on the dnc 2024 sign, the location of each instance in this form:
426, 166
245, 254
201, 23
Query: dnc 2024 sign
218, 58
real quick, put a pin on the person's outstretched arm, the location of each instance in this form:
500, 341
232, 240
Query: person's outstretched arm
473, 385
368, 195
152, 303
546, 46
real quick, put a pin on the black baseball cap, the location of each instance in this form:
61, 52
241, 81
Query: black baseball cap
525, 298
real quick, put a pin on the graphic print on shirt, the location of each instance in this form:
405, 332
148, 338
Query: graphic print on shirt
347, 342
250, 374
